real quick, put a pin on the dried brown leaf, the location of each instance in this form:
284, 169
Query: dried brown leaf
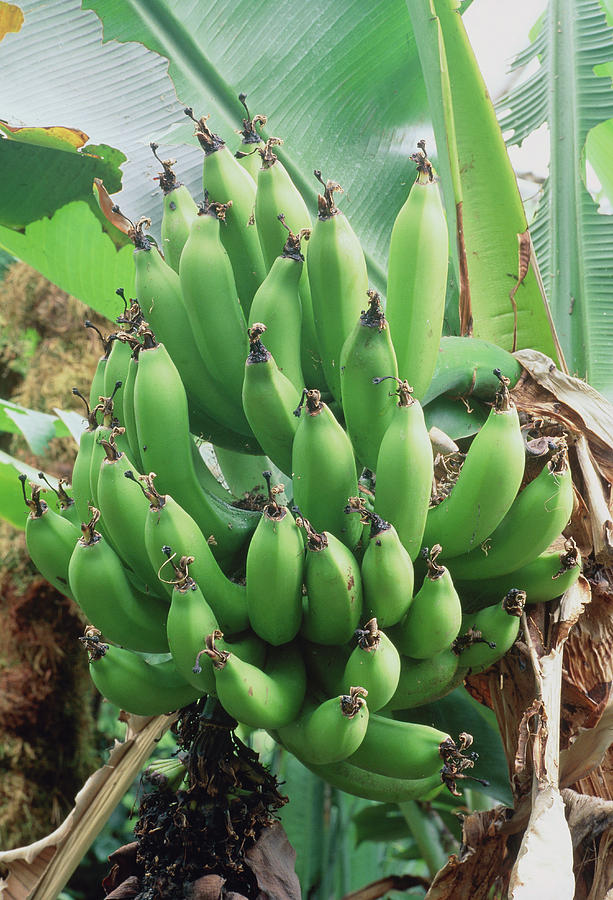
482, 863
272, 860
209, 887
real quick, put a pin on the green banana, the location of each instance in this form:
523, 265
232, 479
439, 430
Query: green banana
103, 432
101, 587
488, 634
375, 665
97, 386
128, 407
124, 511
425, 680
179, 211
538, 515
435, 615
169, 525
405, 470
190, 620
279, 205
275, 564
261, 698
159, 290
381, 788
50, 539
465, 366
134, 684
278, 200
330, 731
211, 299
545, 578
80, 470
487, 484
115, 373
160, 408
400, 749
269, 399
417, 277
366, 353
324, 472
277, 302
387, 570
224, 178
248, 156
338, 281
333, 586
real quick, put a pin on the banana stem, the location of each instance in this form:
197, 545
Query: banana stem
426, 836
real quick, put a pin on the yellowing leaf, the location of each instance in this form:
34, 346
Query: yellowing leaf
57, 136
11, 19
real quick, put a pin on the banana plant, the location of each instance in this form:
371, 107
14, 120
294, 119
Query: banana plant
422, 51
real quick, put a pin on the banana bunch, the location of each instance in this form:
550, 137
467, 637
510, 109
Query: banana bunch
338, 572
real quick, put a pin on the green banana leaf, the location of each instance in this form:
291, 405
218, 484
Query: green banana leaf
573, 241
72, 250
479, 180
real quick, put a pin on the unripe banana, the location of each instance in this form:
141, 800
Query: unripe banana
538, 515
100, 586
261, 698
134, 684
425, 680
169, 525
179, 211
279, 200
159, 290
124, 510
487, 484
97, 386
225, 179
330, 731
338, 280
166, 448
80, 470
375, 665
190, 620
387, 571
435, 615
417, 278
275, 564
400, 749
545, 578
405, 470
212, 301
115, 373
367, 352
50, 539
324, 472
277, 303
487, 635
361, 783
334, 589
269, 400
465, 368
